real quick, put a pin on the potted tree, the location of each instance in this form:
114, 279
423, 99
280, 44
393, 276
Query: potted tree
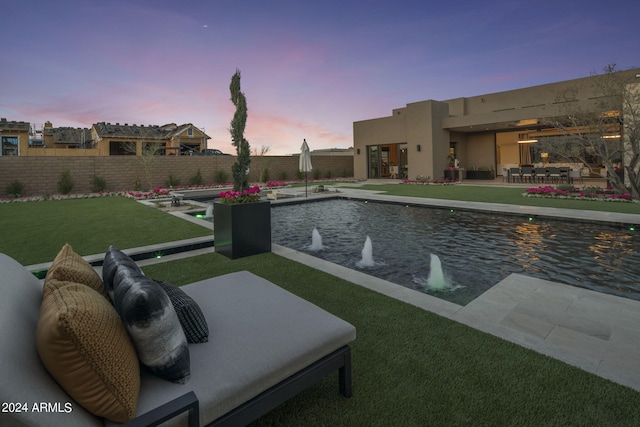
241, 220
451, 171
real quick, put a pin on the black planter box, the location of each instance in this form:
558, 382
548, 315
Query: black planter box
242, 229
486, 175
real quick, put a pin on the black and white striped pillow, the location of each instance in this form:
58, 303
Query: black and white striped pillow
189, 314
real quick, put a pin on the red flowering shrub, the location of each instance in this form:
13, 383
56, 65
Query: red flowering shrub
252, 194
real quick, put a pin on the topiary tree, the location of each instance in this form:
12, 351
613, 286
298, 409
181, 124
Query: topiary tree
240, 168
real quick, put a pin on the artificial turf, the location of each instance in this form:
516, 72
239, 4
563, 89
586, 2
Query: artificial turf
415, 368
34, 232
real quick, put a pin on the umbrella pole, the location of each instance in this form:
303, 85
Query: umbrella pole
305, 185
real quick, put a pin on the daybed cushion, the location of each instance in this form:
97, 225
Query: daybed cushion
69, 266
152, 323
24, 377
260, 334
189, 314
83, 344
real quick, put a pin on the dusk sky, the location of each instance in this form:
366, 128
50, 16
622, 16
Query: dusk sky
309, 68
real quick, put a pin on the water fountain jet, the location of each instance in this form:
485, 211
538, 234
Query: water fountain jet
367, 255
436, 280
209, 212
316, 241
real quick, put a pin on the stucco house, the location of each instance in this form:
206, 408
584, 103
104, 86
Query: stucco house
494, 131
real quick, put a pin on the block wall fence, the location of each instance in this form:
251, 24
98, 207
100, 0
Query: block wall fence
40, 175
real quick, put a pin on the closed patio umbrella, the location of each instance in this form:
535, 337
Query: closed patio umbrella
305, 163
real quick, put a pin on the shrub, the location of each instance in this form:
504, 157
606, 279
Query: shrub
65, 183
196, 179
264, 176
220, 176
327, 174
345, 173
99, 184
566, 187
283, 175
15, 188
592, 191
173, 181
317, 173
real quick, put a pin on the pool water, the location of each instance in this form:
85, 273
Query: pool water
476, 250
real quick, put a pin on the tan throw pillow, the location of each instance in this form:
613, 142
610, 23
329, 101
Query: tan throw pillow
85, 347
71, 267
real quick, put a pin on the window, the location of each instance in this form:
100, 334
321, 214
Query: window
9, 146
117, 148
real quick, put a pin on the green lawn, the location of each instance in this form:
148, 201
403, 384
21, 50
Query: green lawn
414, 368
495, 194
34, 232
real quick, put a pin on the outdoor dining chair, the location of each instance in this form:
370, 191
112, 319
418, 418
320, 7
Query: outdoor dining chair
526, 173
514, 173
575, 174
540, 174
554, 174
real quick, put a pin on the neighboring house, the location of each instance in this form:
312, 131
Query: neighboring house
170, 139
102, 139
14, 137
65, 137
488, 131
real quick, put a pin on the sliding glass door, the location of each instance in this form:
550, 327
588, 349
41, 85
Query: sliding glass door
373, 160
387, 161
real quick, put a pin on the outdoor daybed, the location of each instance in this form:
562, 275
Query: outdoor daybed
264, 346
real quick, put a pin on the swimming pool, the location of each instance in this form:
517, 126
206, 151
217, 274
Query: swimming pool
476, 249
